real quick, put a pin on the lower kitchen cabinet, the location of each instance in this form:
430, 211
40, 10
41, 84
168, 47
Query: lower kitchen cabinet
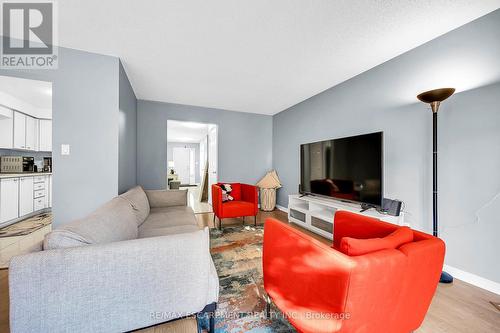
22, 196
9, 199
25, 195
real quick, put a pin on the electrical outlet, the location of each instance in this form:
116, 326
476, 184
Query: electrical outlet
64, 149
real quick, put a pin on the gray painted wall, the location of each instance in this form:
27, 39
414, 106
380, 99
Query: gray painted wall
127, 152
196, 146
245, 149
85, 116
469, 142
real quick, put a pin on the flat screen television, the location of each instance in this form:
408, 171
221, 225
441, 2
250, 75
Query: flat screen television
349, 168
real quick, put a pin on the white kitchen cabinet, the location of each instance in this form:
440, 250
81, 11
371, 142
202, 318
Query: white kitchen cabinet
31, 133
26, 132
37, 135
9, 199
19, 130
25, 195
49, 192
39, 203
6, 127
45, 135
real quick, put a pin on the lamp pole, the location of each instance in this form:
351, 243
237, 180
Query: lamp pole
434, 98
434, 174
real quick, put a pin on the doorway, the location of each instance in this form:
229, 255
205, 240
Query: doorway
192, 156
26, 157
184, 161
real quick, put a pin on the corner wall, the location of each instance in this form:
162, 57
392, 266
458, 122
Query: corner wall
85, 116
127, 153
469, 138
245, 141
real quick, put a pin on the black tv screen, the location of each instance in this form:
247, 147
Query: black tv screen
347, 168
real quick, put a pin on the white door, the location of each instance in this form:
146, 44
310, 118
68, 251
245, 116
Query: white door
45, 135
25, 195
31, 133
192, 166
19, 130
181, 157
9, 199
203, 157
212, 159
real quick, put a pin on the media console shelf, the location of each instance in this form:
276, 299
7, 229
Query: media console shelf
316, 213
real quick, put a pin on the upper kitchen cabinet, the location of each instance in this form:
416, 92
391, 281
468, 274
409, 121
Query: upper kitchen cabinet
45, 142
19, 130
25, 114
6, 127
25, 132
31, 133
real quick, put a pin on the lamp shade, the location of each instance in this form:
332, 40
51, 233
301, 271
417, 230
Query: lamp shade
270, 180
436, 95
171, 164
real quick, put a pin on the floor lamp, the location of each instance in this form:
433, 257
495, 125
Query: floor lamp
434, 98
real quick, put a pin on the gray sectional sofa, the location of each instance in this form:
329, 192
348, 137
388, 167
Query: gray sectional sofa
137, 261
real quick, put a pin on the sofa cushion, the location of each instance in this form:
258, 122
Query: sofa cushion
139, 201
170, 216
147, 231
112, 222
357, 247
166, 198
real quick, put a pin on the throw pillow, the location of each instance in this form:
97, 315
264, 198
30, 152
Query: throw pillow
357, 247
226, 190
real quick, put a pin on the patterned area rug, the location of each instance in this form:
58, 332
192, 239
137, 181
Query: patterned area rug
237, 254
27, 226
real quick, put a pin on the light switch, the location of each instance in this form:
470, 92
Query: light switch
64, 149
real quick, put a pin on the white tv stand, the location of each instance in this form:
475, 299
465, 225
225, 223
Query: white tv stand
316, 213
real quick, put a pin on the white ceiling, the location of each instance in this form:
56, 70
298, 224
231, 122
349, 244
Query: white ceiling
186, 132
256, 56
29, 96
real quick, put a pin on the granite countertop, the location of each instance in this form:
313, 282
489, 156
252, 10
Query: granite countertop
24, 174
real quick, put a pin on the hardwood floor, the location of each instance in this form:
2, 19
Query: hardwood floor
456, 308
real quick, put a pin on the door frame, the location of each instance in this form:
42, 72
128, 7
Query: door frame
217, 143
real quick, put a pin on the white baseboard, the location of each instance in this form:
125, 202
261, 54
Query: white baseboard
473, 279
283, 209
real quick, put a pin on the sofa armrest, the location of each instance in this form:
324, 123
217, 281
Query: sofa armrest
166, 198
112, 287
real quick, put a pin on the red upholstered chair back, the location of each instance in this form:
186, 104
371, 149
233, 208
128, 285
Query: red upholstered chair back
416, 278
236, 190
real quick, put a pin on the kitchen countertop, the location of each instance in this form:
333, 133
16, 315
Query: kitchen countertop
24, 174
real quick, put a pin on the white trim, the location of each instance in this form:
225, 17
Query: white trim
283, 209
473, 279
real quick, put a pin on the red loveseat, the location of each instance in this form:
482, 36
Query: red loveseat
321, 289
245, 203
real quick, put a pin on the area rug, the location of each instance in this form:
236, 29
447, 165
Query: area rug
237, 254
27, 226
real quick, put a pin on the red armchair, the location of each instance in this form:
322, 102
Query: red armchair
321, 289
245, 203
